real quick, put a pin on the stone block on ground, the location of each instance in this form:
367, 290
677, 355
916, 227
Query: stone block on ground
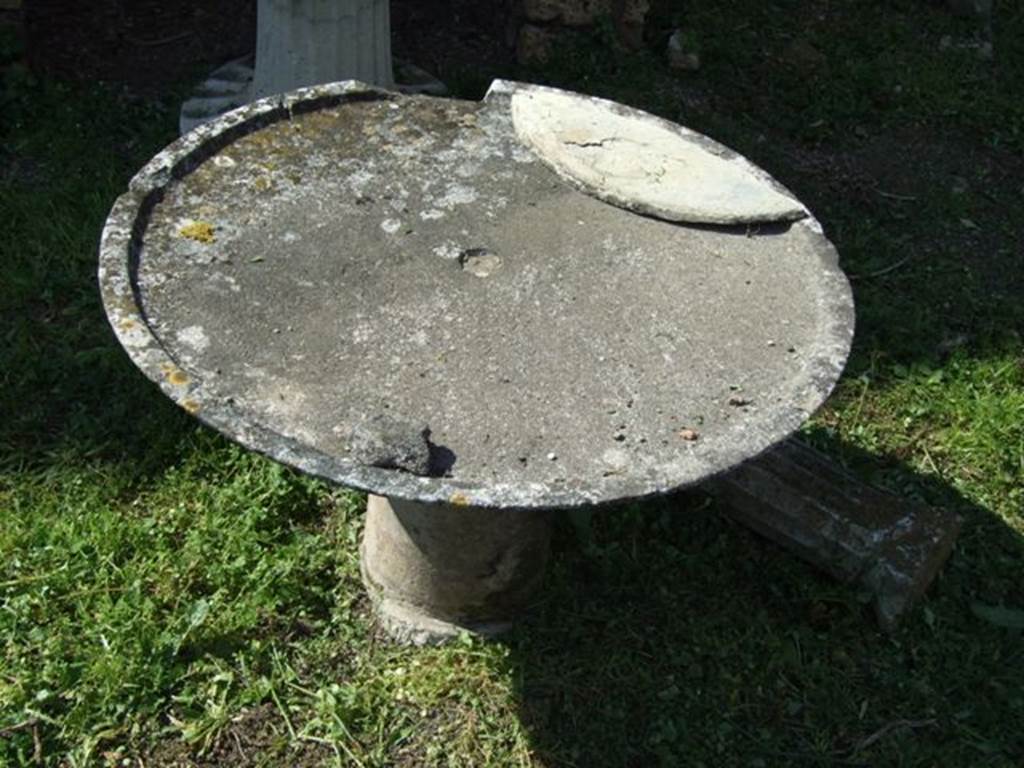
802, 500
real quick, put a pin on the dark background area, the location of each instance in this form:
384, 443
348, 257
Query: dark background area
149, 45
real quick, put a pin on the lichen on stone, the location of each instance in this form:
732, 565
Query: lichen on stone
200, 231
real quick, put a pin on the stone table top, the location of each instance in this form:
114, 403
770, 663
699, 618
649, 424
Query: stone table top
537, 300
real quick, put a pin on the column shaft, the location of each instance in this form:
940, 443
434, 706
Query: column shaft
434, 570
305, 42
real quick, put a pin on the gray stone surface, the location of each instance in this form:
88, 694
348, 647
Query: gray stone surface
297, 266
859, 534
434, 571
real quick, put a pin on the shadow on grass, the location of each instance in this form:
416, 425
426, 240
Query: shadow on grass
670, 635
94, 405
69, 393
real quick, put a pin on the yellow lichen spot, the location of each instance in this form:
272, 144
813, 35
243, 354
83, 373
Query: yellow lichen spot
200, 231
459, 499
263, 184
191, 406
127, 324
177, 377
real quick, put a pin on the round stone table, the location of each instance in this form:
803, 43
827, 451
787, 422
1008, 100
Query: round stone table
477, 312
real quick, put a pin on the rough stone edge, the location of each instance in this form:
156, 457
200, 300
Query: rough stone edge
426, 84
895, 593
502, 91
117, 263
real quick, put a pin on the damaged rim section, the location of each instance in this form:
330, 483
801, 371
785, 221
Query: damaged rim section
126, 226
637, 161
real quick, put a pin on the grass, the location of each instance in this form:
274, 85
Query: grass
169, 599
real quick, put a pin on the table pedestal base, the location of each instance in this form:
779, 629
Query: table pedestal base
436, 570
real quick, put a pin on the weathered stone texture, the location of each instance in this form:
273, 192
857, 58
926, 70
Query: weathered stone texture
390, 443
302, 265
434, 570
799, 498
414, 257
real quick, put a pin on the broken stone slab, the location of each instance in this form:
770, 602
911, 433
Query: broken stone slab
449, 302
804, 501
645, 164
391, 443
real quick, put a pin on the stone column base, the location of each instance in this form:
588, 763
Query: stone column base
434, 571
